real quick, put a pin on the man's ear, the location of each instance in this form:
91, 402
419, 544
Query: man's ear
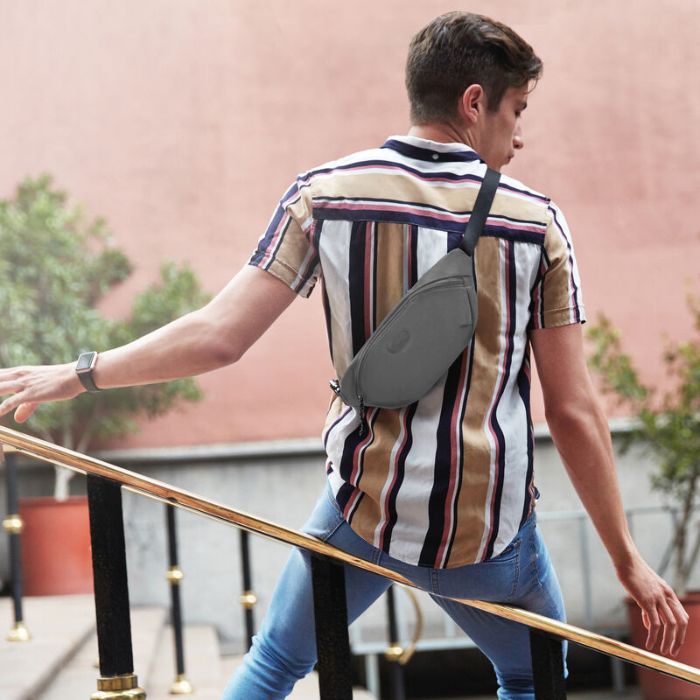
472, 103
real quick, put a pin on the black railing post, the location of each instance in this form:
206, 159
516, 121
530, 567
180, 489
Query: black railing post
547, 666
332, 640
12, 524
395, 651
174, 575
118, 680
248, 598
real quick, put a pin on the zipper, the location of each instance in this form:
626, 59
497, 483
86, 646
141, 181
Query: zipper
363, 418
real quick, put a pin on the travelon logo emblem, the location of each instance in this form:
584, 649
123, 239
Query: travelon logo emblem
399, 342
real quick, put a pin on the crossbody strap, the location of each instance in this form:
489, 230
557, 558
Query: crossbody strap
482, 207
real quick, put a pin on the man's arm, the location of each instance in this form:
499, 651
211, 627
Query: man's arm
580, 432
216, 335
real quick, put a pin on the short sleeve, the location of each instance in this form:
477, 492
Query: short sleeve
286, 249
556, 295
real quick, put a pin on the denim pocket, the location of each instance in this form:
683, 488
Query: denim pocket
510, 552
495, 579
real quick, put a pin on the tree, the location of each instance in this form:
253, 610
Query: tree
668, 426
55, 269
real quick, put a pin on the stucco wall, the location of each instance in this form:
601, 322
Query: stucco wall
183, 122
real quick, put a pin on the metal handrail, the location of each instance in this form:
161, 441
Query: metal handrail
151, 488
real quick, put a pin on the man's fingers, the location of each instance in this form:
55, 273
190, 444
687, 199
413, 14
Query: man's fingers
669, 626
661, 610
25, 411
10, 386
674, 619
18, 396
664, 616
26, 388
8, 405
682, 618
651, 621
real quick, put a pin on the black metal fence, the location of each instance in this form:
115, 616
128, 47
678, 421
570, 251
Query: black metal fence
12, 524
334, 661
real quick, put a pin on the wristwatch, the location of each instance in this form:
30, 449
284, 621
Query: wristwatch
84, 367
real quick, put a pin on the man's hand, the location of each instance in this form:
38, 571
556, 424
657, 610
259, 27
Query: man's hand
662, 612
28, 387
580, 432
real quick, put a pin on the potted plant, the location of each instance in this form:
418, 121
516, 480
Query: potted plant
55, 270
667, 426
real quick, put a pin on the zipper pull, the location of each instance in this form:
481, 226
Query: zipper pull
335, 385
363, 418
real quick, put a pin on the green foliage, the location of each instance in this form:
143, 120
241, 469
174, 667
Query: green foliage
55, 269
668, 423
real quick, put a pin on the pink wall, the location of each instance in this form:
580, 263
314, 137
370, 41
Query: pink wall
183, 121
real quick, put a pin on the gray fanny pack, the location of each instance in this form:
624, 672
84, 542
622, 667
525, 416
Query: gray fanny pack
415, 344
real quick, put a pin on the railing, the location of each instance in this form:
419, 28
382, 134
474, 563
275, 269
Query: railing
248, 597
111, 596
13, 526
181, 685
579, 556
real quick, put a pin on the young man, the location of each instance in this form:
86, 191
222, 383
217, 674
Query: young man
441, 491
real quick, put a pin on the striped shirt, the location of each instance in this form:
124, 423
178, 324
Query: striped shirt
447, 480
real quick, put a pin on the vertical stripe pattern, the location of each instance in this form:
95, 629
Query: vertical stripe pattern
448, 480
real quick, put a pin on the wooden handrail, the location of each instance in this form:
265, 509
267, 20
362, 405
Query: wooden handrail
60, 456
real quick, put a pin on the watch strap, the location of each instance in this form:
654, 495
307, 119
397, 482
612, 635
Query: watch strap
84, 368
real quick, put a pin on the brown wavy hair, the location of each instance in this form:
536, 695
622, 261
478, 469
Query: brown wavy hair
457, 50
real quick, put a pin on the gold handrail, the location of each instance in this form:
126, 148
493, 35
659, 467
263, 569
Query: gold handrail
47, 452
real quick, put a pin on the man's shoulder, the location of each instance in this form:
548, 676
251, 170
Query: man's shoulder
517, 200
356, 161
518, 189
522, 202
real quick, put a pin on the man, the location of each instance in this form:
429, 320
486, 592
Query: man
441, 491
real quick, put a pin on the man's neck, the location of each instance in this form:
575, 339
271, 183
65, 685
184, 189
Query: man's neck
442, 133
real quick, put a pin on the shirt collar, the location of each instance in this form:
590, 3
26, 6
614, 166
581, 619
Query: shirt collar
433, 151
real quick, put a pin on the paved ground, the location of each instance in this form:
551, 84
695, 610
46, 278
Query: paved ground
64, 644
201, 662
58, 625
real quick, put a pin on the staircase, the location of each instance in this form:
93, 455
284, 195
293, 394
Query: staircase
60, 662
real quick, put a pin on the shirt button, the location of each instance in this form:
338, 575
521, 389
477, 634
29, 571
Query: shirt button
435, 156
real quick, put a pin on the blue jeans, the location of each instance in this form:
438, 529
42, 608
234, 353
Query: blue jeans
285, 648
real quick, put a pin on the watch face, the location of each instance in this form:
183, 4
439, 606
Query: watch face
85, 361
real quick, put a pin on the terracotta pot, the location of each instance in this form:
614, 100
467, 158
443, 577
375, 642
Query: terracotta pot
56, 556
658, 686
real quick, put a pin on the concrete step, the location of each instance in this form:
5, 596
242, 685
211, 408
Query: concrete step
59, 626
78, 677
148, 627
60, 661
305, 689
202, 665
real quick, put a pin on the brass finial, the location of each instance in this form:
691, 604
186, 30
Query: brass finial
248, 600
18, 633
174, 575
119, 688
181, 686
13, 524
